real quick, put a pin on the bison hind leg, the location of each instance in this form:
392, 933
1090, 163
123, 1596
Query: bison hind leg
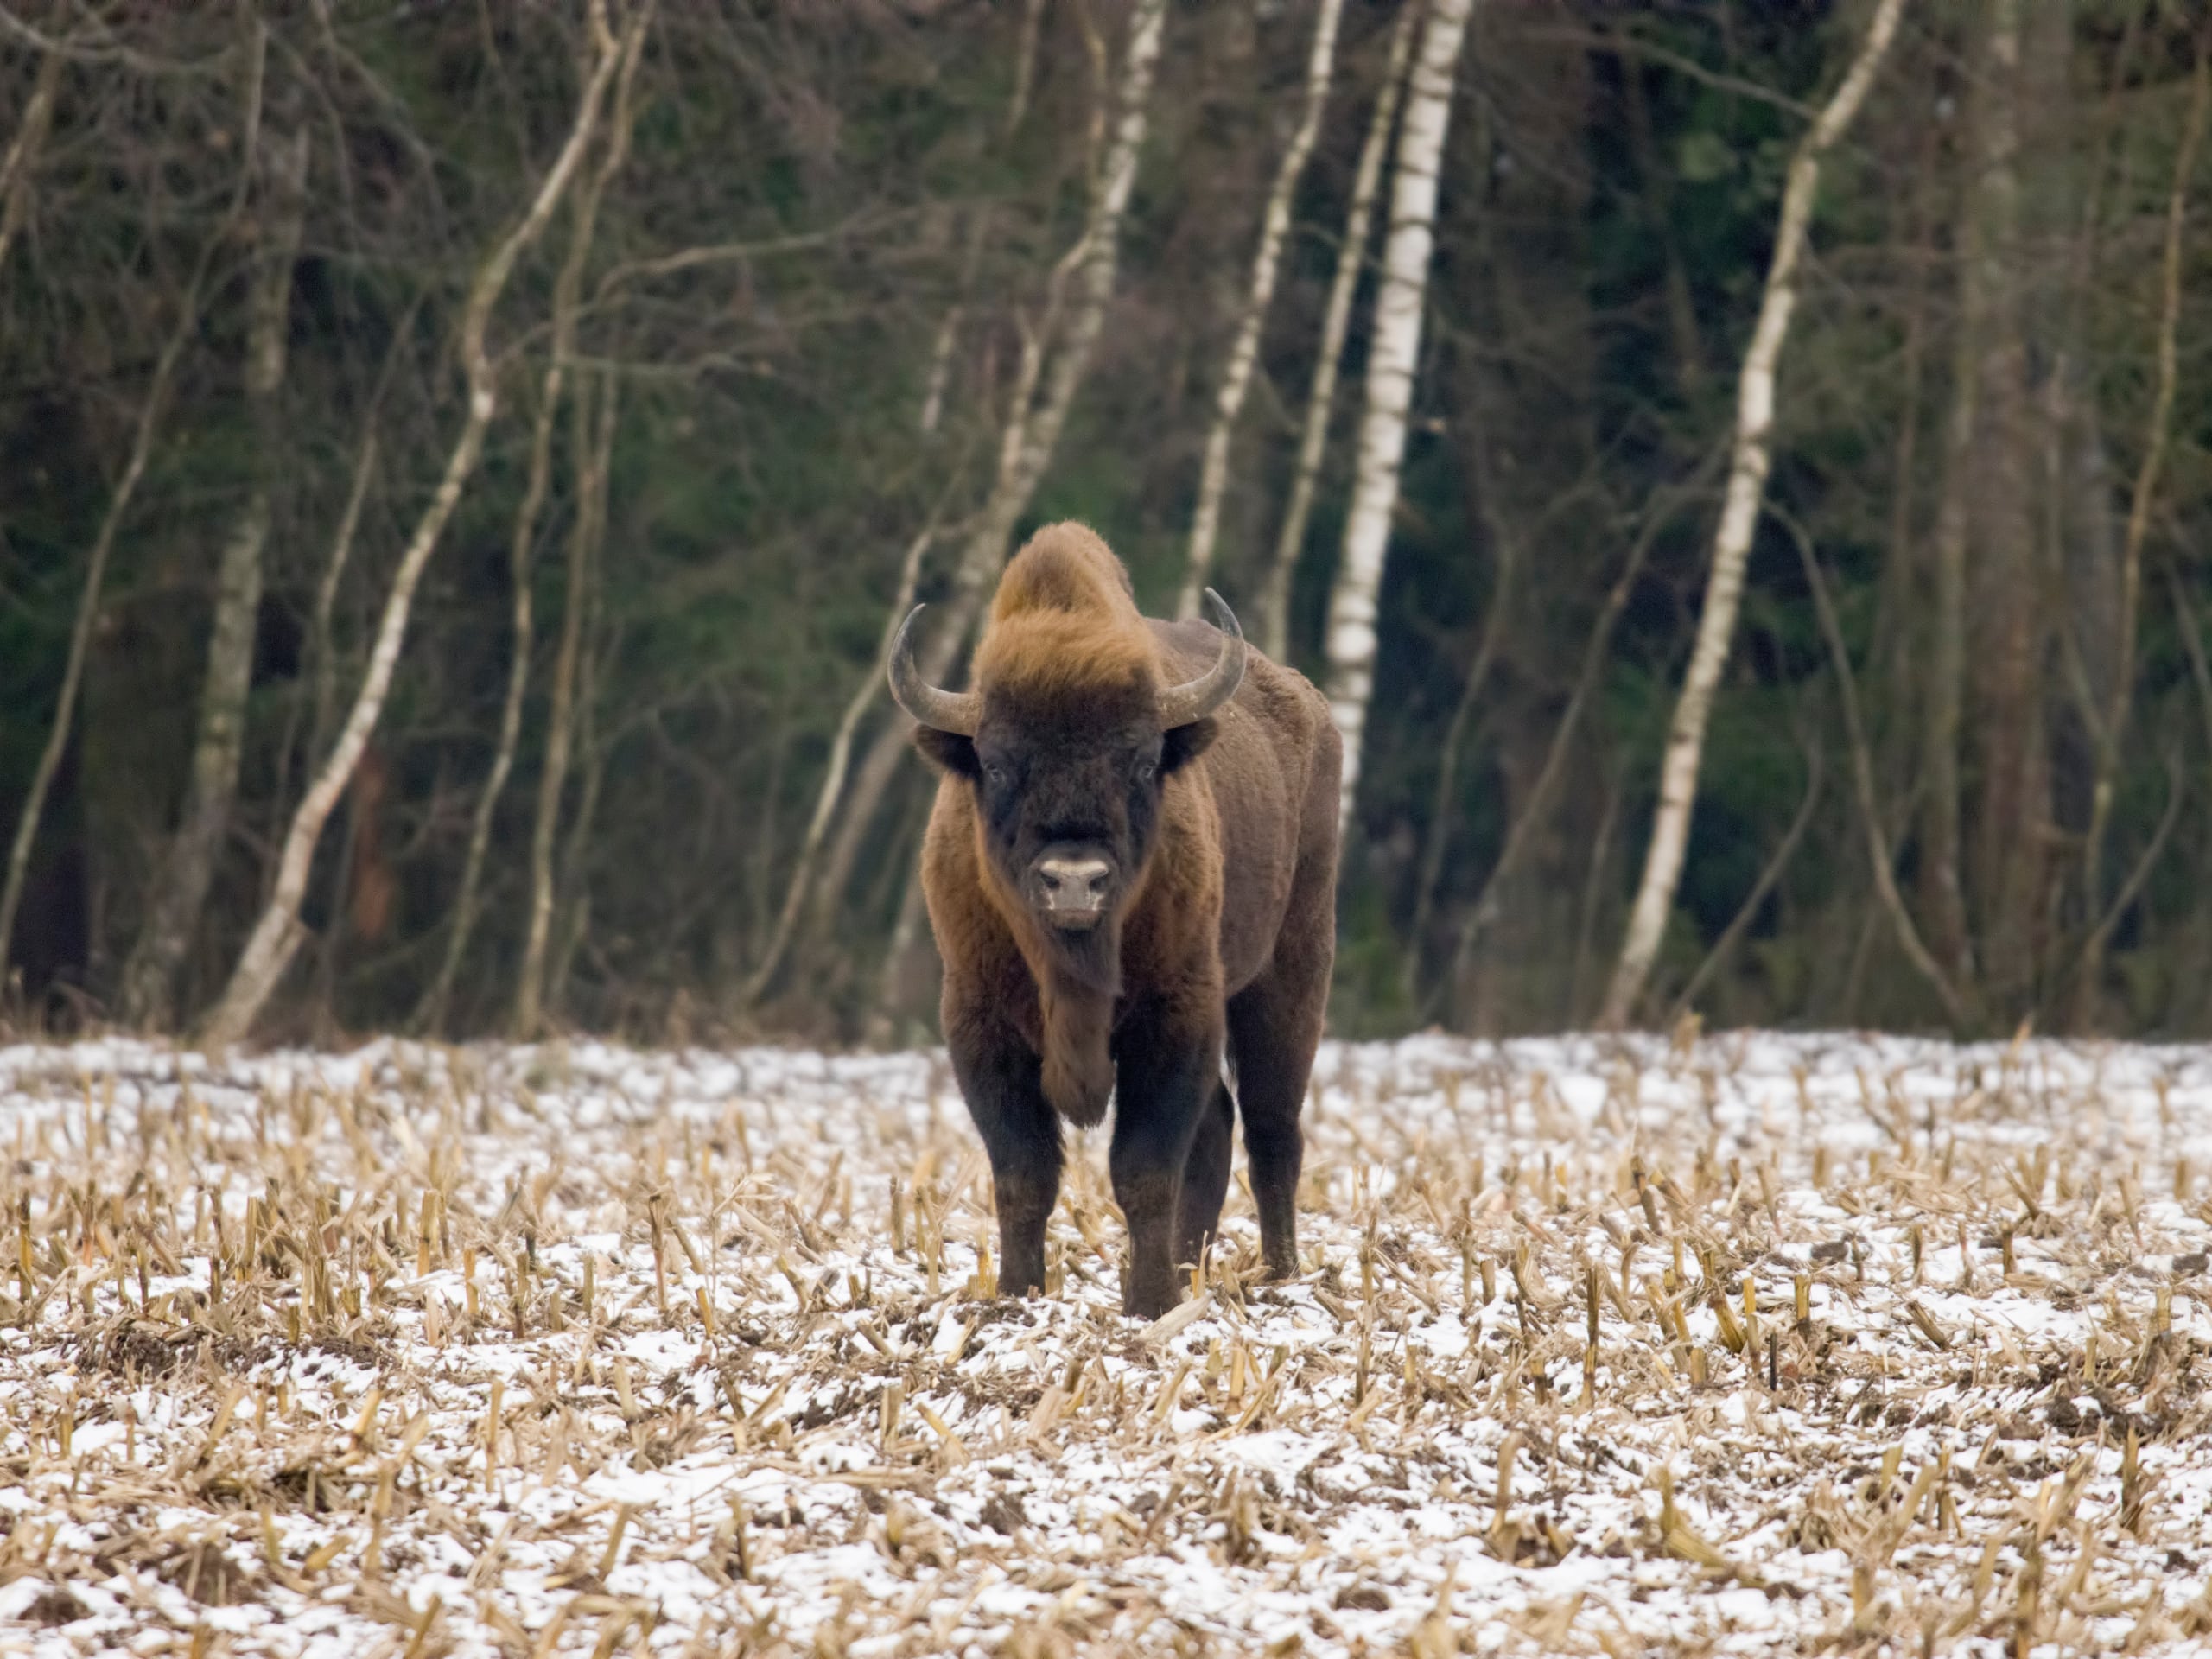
1274, 1027
1206, 1179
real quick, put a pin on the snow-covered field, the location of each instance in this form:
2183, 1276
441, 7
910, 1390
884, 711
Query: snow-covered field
1753, 1344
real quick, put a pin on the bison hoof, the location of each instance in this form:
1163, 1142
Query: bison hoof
1149, 1302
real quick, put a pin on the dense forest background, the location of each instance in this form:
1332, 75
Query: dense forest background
673, 346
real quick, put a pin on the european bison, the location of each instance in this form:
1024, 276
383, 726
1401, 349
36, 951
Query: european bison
1134, 846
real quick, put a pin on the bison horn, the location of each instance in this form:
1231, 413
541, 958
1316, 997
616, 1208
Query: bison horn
948, 711
1195, 699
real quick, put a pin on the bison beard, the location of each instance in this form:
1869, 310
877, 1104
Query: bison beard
1130, 869
1078, 1068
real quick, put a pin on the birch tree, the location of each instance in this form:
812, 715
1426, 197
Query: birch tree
2141, 498
592, 418
1032, 434
186, 866
1031, 439
1244, 352
833, 777
1328, 354
1392, 359
276, 935
1943, 887
567, 287
1731, 542
2007, 615
150, 409
22, 154
522, 546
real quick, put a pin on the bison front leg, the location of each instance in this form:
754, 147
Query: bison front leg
999, 1078
1165, 1079
1205, 1177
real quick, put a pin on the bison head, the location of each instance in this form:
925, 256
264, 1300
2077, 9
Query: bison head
1068, 753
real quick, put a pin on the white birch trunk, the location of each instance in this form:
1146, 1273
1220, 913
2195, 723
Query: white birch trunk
1236, 379
126, 487
276, 935
593, 436
187, 864
1731, 541
1335, 322
567, 287
1390, 366
429, 1018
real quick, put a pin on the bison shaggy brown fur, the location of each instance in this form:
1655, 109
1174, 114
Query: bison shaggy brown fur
1130, 866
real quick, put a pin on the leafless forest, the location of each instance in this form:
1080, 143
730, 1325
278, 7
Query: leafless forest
1741, 472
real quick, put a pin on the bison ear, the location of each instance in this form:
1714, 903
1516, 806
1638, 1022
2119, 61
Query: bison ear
949, 751
1183, 744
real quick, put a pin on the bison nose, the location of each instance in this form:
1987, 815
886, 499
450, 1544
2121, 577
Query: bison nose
1074, 886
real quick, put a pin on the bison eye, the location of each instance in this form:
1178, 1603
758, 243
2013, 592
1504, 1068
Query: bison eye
993, 772
1147, 769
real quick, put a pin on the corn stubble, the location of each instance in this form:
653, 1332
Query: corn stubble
1757, 1343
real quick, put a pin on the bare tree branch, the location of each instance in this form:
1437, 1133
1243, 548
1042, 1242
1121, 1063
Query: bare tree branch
1731, 542
109, 50
1628, 45
2112, 723
632, 271
2192, 639
1336, 324
1740, 922
1055, 359
2090, 958
1862, 773
1595, 654
1245, 351
568, 286
833, 776
142, 445
22, 154
592, 416
276, 936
